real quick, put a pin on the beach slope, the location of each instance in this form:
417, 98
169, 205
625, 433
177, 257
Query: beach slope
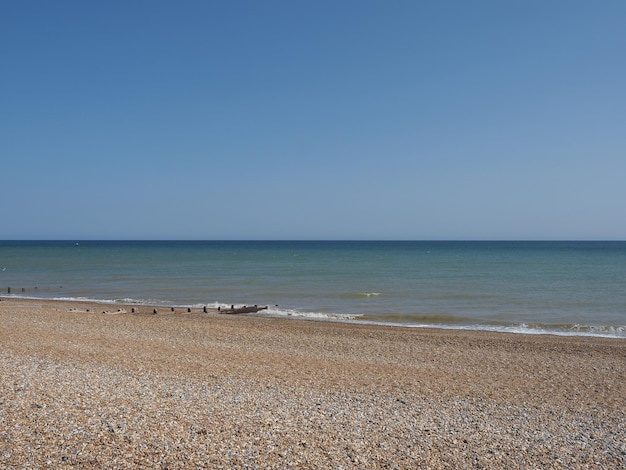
86, 385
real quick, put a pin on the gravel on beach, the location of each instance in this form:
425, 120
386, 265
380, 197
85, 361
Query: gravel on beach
80, 388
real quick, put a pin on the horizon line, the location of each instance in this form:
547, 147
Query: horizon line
460, 240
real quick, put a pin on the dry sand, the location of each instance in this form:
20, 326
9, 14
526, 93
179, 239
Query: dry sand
85, 389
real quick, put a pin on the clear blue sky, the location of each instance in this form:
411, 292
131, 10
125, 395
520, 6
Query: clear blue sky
313, 119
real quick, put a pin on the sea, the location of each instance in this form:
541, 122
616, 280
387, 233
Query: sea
574, 288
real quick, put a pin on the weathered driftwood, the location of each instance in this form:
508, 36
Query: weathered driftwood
244, 309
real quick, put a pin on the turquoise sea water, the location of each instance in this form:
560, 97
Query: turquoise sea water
528, 287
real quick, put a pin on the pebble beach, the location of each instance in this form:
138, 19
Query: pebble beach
87, 385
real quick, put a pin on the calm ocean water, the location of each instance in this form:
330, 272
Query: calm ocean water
573, 288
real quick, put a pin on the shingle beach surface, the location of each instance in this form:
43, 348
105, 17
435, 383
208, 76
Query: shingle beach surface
80, 388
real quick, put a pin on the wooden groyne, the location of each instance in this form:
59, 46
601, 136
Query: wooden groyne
245, 309
225, 310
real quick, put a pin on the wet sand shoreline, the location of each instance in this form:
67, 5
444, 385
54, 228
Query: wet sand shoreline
193, 390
